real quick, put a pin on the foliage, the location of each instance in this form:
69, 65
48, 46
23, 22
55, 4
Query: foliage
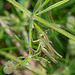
20, 28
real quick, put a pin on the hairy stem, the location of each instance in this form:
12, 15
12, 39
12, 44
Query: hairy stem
20, 7
54, 27
30, 36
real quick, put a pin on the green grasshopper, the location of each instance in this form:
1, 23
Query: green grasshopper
46, 48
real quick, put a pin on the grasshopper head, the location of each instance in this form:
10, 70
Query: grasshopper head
42, 35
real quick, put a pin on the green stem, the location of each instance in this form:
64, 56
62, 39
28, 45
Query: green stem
20, 7
7, 55
12, 48
23, 61
39, 29
52, 6
30, 36
10, 56
42, 65
44, 3
36, 6
54, 27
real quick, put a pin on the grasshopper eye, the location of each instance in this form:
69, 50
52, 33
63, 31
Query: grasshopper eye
9, 63
7, 70
41, 35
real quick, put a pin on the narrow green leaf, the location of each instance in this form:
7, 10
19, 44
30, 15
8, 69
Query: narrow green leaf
10, 56
45, 2
35, 59
22, 57
1, 5
24, 61
1, 33
20, 7
39, 57
42, 58
53, 6
36, 54
55, 28
37, 6
11, 48
18, 39
39, 29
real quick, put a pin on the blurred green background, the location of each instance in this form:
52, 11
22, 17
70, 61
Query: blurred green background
62, 16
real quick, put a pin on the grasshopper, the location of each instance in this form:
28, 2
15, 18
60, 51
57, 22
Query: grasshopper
46, 48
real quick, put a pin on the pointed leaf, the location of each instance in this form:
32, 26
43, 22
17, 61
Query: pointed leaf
25, 60
44, 3
39, 29
55, 28
20, 7
53, 6
37, 6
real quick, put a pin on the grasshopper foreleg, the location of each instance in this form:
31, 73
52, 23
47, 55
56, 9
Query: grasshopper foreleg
35, 40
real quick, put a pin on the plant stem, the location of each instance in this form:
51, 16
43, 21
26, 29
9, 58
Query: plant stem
54, 27
12, 48
10, 56
30, 36
23, 61
32, 69
36, 6
20, 7
53, 6
44, 3
38, 28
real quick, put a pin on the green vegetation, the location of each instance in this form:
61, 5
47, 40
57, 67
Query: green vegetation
37, 37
